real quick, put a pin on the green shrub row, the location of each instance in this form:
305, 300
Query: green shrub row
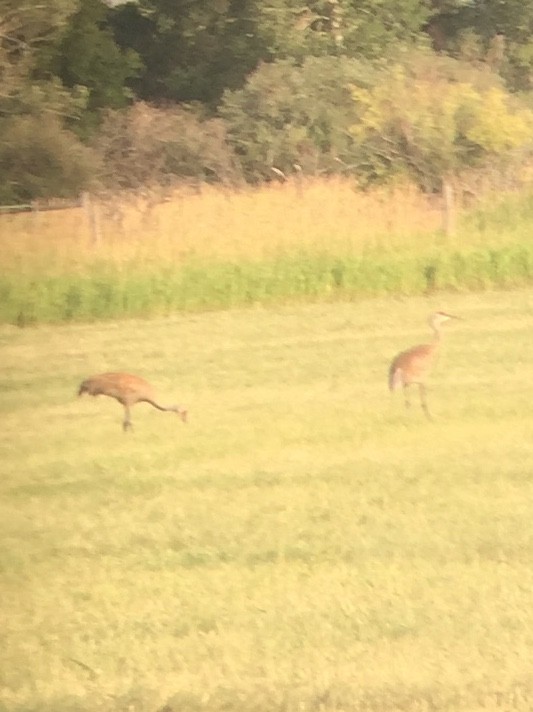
107, 293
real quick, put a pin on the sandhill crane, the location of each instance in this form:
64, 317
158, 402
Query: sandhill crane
127, 390
413, 365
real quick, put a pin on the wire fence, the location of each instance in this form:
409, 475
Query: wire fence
84, 202
42, 205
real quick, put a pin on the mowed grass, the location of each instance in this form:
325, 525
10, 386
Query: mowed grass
304, 543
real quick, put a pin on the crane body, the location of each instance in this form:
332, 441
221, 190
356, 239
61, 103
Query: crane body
128, 390
412, 366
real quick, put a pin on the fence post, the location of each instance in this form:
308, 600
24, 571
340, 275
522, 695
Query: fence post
35, 215
449, 207
93, 218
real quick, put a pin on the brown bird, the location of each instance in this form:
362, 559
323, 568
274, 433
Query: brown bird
127, 390
412, 366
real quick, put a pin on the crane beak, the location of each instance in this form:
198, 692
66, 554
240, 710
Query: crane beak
452, 316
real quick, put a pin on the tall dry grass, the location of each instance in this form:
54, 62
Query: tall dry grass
214, 248
330, 215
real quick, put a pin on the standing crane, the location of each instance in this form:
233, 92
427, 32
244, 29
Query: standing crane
127, 390
413, 365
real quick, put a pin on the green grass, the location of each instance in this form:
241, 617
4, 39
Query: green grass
303, 544
58, 278
103, 291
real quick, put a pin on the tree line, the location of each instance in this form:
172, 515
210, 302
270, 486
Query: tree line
97, 95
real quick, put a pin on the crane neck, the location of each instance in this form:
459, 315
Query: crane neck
436, 333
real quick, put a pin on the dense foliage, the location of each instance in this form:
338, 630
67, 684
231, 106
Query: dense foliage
151, 92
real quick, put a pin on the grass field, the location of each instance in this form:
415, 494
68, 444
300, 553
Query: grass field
212, 248
216, 249
303, 544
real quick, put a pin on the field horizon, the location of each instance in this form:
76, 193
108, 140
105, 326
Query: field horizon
302, 544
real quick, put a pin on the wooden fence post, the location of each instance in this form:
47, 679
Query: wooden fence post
448, 216
34, 215
93, 218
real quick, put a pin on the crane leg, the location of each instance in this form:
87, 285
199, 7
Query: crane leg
406, 395
126, 425
423, 400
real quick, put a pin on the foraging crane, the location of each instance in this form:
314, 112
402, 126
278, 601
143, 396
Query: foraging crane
412, 366
127, 390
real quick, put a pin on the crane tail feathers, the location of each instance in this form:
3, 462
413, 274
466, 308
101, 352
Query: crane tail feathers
395, 378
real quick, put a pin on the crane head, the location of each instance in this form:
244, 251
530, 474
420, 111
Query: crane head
440, 317
182, 412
